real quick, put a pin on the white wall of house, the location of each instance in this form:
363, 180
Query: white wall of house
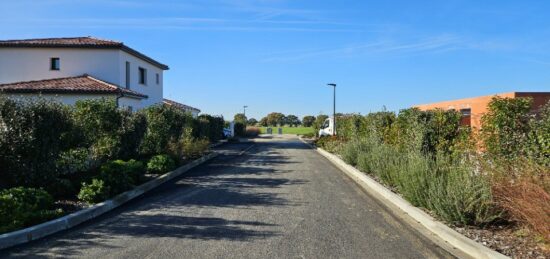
71, 99
27, 64
150, 88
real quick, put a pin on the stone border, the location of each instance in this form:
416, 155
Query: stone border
68, 221
377, 190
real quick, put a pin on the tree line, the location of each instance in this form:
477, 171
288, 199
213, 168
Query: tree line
275, 119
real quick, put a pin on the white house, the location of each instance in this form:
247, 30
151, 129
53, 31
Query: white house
71, 69
194, 111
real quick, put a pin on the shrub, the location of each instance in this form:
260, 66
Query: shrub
210, 127
165, 124
195, 148
22, 207
94, 192
160, 164
33, 135
239, 128
538, 147
505, 126
119, 170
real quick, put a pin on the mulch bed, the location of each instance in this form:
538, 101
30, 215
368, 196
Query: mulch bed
512, 241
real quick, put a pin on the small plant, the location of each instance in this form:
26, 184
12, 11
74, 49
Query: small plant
22, 207
94, 192
160, 164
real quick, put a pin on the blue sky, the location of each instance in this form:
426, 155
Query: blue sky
277, 55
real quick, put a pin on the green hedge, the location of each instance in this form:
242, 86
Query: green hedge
50, 145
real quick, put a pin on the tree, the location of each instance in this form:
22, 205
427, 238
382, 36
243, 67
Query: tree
292, 120
263, 122
240, 117
275, 119
252, 122
308, 121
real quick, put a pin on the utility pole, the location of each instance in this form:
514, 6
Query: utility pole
333, 108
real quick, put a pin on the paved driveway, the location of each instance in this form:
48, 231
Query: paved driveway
278, 200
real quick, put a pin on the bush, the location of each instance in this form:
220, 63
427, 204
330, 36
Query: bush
209, 127
22, 207
506, 126
240, 129
160, 164
115, 177
33, 135
94, 192
165, 124
119, 170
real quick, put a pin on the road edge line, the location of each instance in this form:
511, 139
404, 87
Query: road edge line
51, 227
378, 191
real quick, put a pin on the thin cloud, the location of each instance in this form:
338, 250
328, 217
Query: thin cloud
434, 44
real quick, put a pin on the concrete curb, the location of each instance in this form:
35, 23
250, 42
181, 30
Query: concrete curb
380, 192
51, 227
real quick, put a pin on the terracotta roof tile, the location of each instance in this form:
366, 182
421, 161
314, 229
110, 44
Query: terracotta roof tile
79, 84
76, 41
179, 105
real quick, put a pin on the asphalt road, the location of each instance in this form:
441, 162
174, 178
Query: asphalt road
280, 199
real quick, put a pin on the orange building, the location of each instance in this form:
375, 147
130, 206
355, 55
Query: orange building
473, 108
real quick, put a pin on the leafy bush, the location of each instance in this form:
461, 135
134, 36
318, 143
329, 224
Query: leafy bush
505, 126
33, 135
115, 177
94, 192
240, 129
119, 170
165, 124
210, 127
22, 207
160, 164
538, 146
107, 131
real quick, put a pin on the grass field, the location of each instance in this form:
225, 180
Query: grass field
289, 130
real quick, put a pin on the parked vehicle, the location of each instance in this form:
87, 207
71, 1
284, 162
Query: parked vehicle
327, 129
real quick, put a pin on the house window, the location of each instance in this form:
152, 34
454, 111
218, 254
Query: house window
466, 112
127, 74
158, 78
54, 64
142, 76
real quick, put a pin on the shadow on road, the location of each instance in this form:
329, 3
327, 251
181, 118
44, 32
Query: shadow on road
229, 181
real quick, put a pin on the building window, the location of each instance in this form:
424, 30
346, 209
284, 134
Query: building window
54, 64
466, 112
127, 74
142, 76
158, 78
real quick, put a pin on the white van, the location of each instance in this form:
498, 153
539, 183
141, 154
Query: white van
327, 129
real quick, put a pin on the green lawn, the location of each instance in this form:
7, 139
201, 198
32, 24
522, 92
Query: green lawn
289, 130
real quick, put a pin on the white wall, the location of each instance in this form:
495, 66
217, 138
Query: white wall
151, 88
70, 99
26, 64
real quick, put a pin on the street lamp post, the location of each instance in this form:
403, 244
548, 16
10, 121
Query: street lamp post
244, 110
333, 108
